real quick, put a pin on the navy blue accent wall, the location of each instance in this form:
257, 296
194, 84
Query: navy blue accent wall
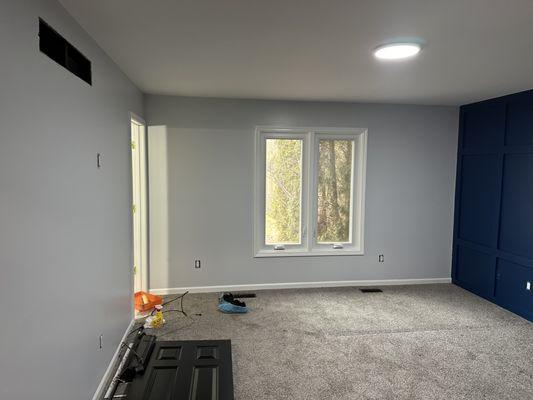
493, 234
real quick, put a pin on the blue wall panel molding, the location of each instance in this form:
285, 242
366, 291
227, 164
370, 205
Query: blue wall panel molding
493, 233
520, 121
510, 276
479, 207
484, 124
476, 271
516, 231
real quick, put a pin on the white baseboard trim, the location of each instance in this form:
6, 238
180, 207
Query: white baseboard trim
100, 391
298, 285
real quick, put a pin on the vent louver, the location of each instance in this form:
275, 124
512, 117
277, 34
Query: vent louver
371, 290
62, 52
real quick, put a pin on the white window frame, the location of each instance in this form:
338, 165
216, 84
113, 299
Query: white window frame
309, 206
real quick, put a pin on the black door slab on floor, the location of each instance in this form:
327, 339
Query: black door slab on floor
186, 370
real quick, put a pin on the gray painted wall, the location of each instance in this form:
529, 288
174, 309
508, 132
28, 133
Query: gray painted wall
209, 192
65, 228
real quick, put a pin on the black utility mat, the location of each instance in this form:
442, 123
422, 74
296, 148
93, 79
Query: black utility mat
186, 370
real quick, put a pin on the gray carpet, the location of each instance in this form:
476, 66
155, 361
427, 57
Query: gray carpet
410, 342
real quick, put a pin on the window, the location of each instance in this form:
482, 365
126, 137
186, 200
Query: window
309, 197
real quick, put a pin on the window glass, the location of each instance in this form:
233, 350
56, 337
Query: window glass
334, 213
283, 191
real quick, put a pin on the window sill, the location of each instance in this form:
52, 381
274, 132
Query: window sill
315, 253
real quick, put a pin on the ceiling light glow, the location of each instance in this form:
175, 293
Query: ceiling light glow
397, 51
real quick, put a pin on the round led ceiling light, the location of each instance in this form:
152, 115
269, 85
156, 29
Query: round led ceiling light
397, 51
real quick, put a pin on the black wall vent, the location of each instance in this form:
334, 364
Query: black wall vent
62, 52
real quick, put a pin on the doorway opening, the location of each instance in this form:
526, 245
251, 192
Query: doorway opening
139, 204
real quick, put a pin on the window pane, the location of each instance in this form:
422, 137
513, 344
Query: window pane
334, 190
283, 191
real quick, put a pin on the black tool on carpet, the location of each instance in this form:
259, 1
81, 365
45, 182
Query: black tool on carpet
141, 357
125, 372
230, 298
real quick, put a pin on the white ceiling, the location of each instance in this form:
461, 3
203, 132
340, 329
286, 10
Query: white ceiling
316, 49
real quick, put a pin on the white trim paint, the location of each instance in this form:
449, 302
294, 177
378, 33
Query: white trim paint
299, 285
100, 391
140, 200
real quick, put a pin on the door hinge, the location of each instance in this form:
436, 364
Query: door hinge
134, 270
133, 145
133, 208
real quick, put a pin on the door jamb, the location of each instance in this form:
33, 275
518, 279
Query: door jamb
143, 207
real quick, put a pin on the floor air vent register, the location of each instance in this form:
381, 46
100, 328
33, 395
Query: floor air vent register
371, 290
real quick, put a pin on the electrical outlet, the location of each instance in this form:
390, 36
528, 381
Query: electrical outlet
197, 264
381, 258
101, 341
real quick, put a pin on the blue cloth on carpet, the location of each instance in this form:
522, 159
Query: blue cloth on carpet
229, 308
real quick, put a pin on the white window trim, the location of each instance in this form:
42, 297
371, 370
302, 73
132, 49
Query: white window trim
309, 247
